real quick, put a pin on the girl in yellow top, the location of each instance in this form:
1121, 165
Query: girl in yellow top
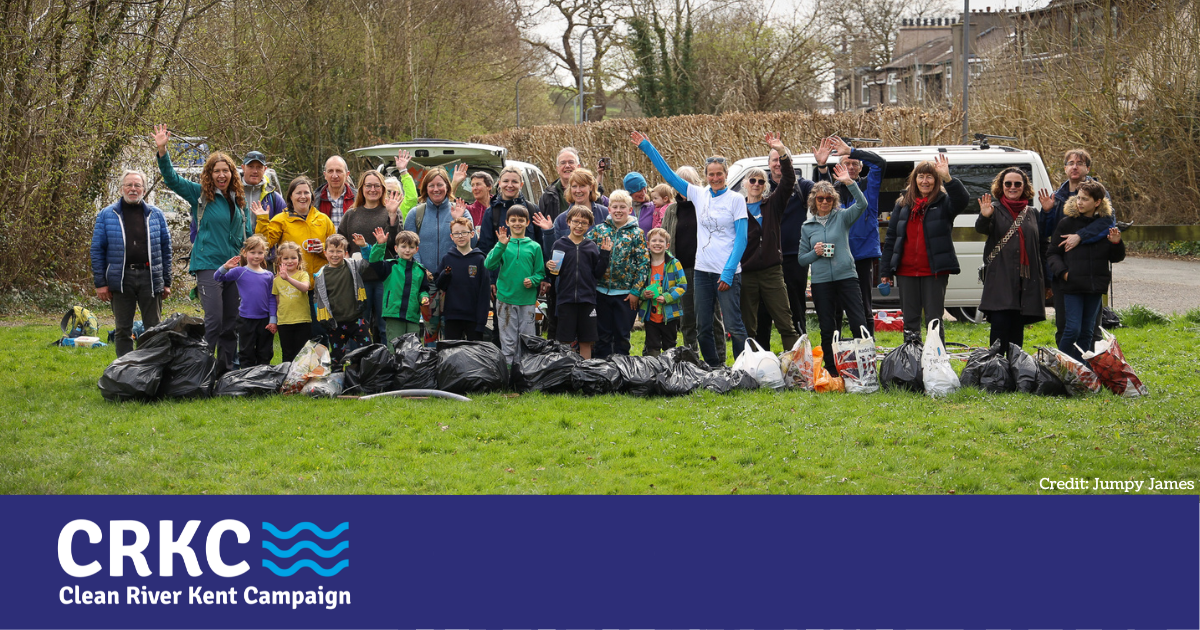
302, 224
292, 317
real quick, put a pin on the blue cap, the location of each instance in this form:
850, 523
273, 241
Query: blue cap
634, 182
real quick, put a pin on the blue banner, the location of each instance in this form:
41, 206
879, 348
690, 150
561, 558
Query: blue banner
597, 562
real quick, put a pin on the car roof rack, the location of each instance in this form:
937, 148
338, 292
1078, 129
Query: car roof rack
982, 140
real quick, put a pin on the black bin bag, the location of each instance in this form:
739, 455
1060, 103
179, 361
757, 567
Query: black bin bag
679, 354
1022, 369
416, 365
549, 372
470, 366
1047, 383
638, 374
679, 379
988, 370
259, 380
192, 369
595, 377
539, 345
901, 368
137, 375
370, 369
724, 380
183, 325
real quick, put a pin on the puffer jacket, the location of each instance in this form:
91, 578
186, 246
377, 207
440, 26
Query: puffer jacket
864, 234
108, 248
222, 231
947, 203
1087, 264
629, 265
1049, 220
290, 227
672, 287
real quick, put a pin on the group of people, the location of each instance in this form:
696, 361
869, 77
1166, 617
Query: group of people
396, 256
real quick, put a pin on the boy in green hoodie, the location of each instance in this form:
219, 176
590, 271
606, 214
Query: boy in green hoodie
405, 284
519, 260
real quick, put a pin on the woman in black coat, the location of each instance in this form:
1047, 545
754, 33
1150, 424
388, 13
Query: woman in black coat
1083, 273
918, 254
1014, 291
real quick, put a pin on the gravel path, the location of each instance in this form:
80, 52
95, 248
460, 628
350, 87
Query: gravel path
1168, 286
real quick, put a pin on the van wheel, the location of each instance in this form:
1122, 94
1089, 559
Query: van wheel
966, 314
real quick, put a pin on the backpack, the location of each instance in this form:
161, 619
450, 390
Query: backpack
79, 322
200, 209
418, 217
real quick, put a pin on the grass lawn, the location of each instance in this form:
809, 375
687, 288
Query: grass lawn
57, 435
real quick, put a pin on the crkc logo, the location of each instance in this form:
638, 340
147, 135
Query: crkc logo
170, 546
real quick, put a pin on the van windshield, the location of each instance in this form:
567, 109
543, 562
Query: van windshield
977, 178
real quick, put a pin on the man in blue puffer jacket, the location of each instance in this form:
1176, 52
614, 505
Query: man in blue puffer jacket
131, 259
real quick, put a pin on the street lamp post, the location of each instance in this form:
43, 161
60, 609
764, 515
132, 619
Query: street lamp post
966, 66
581, 38
519, 97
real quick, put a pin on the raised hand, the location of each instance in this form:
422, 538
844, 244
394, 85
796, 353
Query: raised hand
842, 174
459, 209
283, 273
542, 221
380, 236
942, 164
1046, 199
637, 137
502, 235
402, 158
359, 240
823, 151
161, 136
1114, 235
985, 205
606, 245
236, 261
460, 175
840, 148
392, 200
772, 140
257, 209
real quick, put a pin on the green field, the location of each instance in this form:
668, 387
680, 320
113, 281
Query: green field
58, 435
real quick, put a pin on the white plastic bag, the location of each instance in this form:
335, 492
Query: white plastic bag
938, 374
855, 361
797, 365
312, 361
761, 364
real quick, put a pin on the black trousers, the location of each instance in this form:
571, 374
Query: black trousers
460, 329
292, 338
866, 280
660, 336
138, 294
256, 345
1008, 326
827, 298
922, 294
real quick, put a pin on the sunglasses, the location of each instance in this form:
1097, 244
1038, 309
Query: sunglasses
718, 160
1014, 184
825, 198
756, 181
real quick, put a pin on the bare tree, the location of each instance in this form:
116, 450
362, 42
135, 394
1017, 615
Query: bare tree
579, 16
870, 26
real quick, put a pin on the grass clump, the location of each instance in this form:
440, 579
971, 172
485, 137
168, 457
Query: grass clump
1138, 316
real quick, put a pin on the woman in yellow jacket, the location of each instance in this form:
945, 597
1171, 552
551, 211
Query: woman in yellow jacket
302, 224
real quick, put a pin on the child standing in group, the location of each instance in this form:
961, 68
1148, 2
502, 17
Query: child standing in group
662, 196
291, 312
340, 297
465, 284
625, 278
1083, 272
255, 330
665, 288
405, 284
581, 266
519, 260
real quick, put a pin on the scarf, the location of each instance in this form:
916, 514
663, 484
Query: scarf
1014, 207
918, 208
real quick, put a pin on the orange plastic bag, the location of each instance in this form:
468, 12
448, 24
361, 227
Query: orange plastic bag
822, 380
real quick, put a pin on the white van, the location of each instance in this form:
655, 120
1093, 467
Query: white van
975, 166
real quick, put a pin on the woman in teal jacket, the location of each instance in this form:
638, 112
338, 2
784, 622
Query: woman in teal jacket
825, 250
222, 225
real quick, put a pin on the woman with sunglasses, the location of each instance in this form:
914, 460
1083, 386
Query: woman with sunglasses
918, 252
825, 249
720, 241
1013, 286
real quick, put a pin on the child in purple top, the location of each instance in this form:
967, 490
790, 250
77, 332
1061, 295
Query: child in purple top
255, 326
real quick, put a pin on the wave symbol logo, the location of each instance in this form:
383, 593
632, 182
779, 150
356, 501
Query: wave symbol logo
303, 545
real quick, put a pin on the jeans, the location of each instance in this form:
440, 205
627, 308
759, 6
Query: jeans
138, 294
1080, 313
615, 322
220, 302
731, 309
828, 297
922, 293
1060, 316
688, 320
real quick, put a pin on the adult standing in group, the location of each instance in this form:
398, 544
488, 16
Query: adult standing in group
481, 190
258, 185
131, 259
795, 275
583, 189
762, 262
918, 252
825, 248
430, 220
336, 196
679, 220
555, 199
371, 211
1014, 293
720, 241
301, 223
218, 208
643, 208
1077, 163
864, 234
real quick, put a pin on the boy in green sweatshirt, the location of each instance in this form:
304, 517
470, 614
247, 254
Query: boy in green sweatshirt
519, 260
405, 284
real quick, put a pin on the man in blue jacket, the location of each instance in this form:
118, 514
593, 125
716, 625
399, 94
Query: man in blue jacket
131, 259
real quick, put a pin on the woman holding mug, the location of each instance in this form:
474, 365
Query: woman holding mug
825, 250
1014, 290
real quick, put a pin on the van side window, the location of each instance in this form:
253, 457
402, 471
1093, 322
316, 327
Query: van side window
977, 178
